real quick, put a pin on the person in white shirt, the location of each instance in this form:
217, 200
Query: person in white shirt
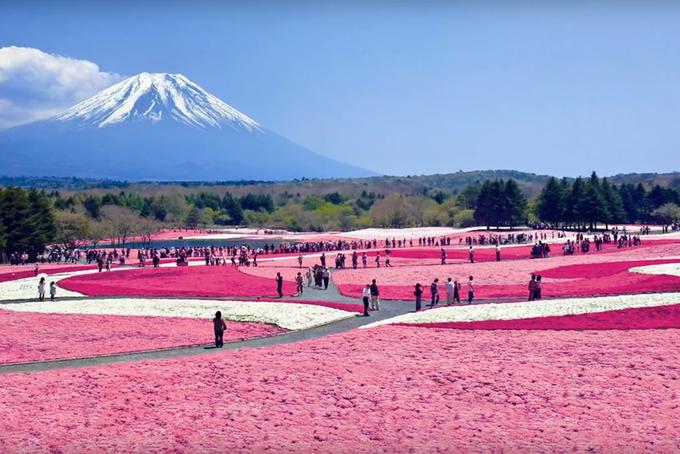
471, 290
449, 291
366, 296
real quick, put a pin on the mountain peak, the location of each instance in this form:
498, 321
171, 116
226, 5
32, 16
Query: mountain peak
157, 97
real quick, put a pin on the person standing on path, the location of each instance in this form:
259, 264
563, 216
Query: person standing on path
279, 285
456, 292
471, 290
300, 261
537, 295
299, 281
418, 293
364, 259
53, 290
41, 289
375, 296
532, 287
449, 291
498, 253
434, 292
443, 256
471, 254
326, 278
377, 259
323, 260
366, 297
220, 328
355, 260
310, 277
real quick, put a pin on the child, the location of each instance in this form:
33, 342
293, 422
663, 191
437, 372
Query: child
53, 290
220, 328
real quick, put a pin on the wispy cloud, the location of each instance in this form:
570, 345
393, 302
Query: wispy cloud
36, 85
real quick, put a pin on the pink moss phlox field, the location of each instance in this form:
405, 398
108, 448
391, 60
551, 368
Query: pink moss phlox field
635, 318
389, 389
194, 281
585, 276
28, 336
11, 273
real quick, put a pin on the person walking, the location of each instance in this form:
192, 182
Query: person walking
355, 260
537, 293
310, 277
443, 256
53, 290
375, 296
471, 290
41, 289
377, 259
434, 292
418, 293
449, 291
299, 281
456, 292
326, 278
364, 259
532, 287
220, 328
471, 254
366, 297
279, 285
300, 260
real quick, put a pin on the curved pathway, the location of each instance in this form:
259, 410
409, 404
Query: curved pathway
388, 309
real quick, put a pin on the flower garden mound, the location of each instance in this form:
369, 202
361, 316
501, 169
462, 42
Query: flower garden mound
582, 275
391, 389
290, 316
30, 336
184, 281
11, 273
534, 309
624, 319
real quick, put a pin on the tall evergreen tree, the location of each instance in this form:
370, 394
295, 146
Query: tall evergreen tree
573, 214
514, 208
551, 202
615, 209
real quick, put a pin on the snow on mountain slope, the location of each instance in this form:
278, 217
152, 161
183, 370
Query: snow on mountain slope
164, 127
157, 97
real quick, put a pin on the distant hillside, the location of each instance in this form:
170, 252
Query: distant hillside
531, 183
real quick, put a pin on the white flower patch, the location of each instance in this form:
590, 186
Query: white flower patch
291, 316
670, 269
534, 309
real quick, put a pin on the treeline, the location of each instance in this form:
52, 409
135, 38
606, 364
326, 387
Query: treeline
27, 221
593, 201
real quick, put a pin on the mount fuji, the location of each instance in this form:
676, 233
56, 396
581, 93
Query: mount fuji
159, 127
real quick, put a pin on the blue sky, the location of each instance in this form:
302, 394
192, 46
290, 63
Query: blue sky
407, 87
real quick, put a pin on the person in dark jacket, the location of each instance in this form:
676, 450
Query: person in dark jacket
418, 293
220, 328
279, 285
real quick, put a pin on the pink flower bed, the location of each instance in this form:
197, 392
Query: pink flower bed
624, 319
389, 389
185, 281
28, 336
11, 273
510, 278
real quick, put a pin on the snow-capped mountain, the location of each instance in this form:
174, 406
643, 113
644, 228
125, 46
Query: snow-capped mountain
158, 126
157, 97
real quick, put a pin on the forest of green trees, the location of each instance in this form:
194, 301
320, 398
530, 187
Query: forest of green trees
31, 218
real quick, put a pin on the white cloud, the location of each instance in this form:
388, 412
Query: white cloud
36, 85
